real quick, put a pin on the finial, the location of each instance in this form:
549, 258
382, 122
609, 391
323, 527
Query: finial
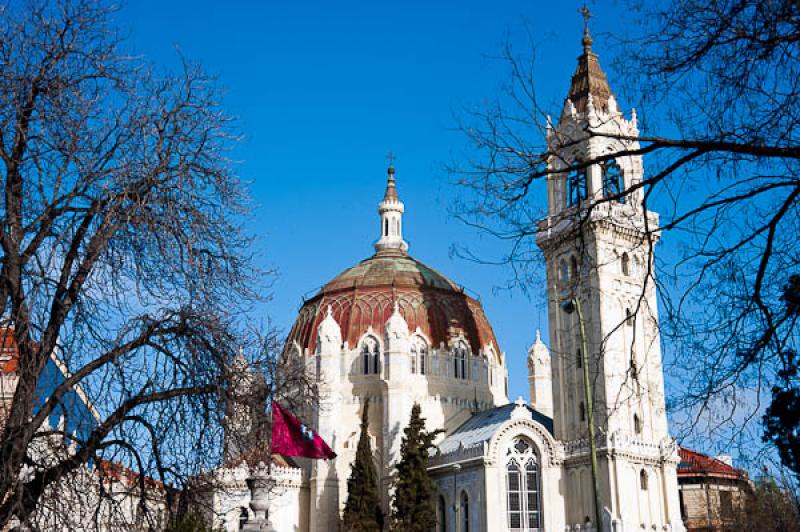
330, 311
391, 157
520, 402
538, 337
587, 39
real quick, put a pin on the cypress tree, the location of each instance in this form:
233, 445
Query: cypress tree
414, 508
362, 511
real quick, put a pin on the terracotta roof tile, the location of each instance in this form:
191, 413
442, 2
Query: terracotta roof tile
364, 296
8, 351
694, 463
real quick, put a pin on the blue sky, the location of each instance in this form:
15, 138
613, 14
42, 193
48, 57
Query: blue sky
324, 90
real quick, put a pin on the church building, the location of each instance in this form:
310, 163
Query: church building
395, 331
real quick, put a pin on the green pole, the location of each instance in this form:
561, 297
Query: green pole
587, 388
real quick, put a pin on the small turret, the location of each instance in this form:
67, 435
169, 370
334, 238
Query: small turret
391, 213
329, 335
396, 328
540, 377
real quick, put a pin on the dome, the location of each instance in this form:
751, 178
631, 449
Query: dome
363, 297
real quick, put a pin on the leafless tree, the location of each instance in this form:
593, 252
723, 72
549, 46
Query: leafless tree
717, 82
123, 254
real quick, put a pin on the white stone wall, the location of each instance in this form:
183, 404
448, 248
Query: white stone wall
600, 257
445, 401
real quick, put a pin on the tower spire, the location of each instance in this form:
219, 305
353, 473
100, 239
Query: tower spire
391, 212
589, 79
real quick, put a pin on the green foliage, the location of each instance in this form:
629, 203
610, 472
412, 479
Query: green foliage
362, 511
414, 508
782, 418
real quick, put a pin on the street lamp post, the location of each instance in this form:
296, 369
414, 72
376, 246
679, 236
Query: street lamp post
569, 306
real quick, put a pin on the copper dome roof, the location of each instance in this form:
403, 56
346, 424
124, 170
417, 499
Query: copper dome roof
364, 295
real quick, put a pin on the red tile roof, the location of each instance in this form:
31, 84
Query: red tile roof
697, 464
8, 351
364, 296
117, 472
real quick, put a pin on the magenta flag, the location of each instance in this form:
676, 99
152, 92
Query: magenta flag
292, 438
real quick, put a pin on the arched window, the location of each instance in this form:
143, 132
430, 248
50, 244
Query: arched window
613, 184
577, 190
582, 410
514, 495
643, 480
441, 515
579, 358
419, 354
532, 494
626, 264
370, 356
464, 512
628, 317
460, 361
386, 227
573, 268
637, 425
523, 488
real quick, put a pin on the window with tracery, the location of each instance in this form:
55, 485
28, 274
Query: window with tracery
523, 488
577, 189
419, 355
370, 356
643, 480
460, 361
613, 184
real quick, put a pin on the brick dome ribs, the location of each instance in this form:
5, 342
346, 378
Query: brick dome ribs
363, 296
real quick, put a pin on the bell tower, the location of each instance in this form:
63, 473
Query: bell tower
598, 243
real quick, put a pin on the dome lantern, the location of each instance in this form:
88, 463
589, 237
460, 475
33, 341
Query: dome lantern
391, 212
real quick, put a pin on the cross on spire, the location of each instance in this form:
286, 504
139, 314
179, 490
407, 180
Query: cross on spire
391, 156
587, 39
586, 16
